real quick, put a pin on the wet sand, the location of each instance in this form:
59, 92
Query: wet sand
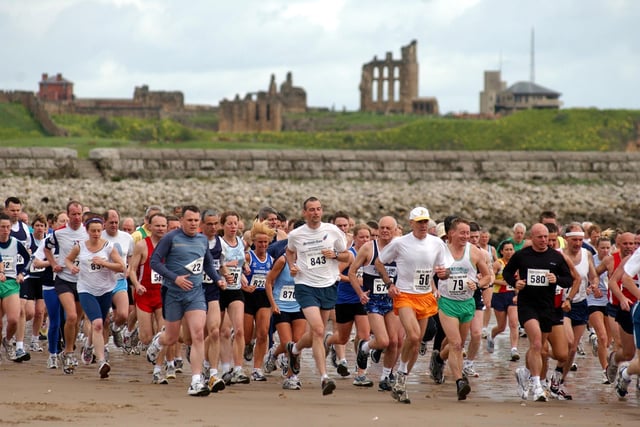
31, 394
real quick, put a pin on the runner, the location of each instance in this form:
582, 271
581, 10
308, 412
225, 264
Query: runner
180, 258
314, 252
418, 256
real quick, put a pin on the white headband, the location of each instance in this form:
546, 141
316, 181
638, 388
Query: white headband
575, 234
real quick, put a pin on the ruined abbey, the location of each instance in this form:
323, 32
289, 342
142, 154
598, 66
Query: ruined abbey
391, 85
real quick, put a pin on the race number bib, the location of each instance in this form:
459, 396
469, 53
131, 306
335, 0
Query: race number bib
33, 269
156, 278
379, 288
19, 259
236, 272
195, 266
8, 263
315, 259
536, 277
457, 284
258, 281
288, 293
95, 268
216, 264
422, 280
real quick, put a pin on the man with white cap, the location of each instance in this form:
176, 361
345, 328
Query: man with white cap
418, 256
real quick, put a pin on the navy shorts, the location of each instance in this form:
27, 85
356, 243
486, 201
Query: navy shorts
96, 307
612, 310
324, 298
477, 297
502, 301
595, 308
579, 313
379, 304
211, 292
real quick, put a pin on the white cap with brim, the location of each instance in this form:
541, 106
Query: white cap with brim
419, 214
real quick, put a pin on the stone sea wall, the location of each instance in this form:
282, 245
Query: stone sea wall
369, 165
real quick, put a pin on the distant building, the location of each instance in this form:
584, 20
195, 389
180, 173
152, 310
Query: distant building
391, 85
262, 111
496, 98
55, 88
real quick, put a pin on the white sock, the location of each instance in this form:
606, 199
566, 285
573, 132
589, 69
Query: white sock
403, 367
196, 378
19, 345
365, 347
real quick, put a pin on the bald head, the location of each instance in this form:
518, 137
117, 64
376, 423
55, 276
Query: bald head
387, 228
539, 237
626, 244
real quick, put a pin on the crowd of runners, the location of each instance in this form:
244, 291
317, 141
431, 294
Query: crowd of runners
194, 284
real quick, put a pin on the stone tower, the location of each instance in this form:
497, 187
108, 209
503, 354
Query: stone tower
388, 85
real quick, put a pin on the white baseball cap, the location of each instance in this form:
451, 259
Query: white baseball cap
419, 214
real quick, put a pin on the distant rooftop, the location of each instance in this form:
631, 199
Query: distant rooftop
54, 79
530, 88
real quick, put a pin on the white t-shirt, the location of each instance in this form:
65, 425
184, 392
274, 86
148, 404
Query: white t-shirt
632, 266
95, 279
65, 238
315, 269
415, 261
123, 243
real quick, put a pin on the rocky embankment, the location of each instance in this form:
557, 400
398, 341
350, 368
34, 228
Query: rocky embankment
495, 205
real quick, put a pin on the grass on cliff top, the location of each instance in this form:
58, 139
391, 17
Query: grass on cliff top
559, 130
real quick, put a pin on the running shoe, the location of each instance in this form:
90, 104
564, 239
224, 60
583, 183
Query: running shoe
538, 393
522, 333
158, 378
384, 384
593, 340
484, 333
8, 348
375, 355
612, 367
580, 350
179, 364
248, 352
52, 361
291, 384
561, 393
294, 359
67, 364
343, 369
257, 375
328, 385
605, 378
171, 372
362, 381
239, 377
437, 368
556, 381
269, 362
283, 363
399, 390
333, 356
515, 356
35, 346
198, 389
468, 370
154, 348
574, 367
462, 388
226, 377
118, 336
522, 379
327, 347
621, 384
104, 369
87, 354
21, 356
423, 348
491, 344
362, 357
134, 339
215, 384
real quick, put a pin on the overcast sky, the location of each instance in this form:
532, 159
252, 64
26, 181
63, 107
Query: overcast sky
588, 50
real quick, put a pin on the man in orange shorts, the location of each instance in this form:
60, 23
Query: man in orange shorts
418, 257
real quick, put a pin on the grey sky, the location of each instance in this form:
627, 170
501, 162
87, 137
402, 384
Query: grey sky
211, 49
